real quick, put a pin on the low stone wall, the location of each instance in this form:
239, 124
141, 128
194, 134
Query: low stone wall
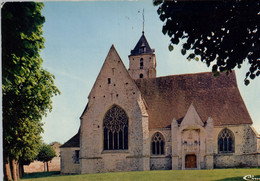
160, 163
37, 166
114, 164
228, 161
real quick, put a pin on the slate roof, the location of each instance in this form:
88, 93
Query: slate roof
72, 142
170, 97
142, 47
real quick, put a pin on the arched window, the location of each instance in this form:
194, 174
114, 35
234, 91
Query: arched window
141, 76
115, 125
226, 141
158, 144
141, 63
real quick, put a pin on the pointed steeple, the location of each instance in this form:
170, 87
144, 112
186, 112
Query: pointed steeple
142, 47
142, 61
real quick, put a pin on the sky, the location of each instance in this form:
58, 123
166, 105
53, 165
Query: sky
78, 36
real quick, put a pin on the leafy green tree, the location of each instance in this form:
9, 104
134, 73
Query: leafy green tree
223, 34
26, 87
46, 154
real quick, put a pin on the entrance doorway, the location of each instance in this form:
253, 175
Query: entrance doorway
190, 161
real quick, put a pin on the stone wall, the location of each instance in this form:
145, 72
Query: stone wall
54, 164
112, 163
120, 90
162, 162
37, 166
67, 165
149, 66
245, 154
238, 161
166, 132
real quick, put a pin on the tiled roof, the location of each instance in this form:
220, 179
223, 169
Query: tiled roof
170, 97
73, 142
142, 47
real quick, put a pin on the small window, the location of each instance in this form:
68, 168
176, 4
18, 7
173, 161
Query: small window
113, 71
141, 63
158, 144
109, 81
141, 76
76, 156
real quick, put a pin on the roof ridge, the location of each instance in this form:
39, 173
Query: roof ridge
175, 75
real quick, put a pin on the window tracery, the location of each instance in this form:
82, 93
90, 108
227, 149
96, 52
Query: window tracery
158, 144
115, 125
226, 141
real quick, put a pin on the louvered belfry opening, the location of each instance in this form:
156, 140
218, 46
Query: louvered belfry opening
115, 125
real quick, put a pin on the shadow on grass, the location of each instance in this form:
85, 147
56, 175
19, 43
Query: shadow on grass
231, 179
257, 177
40, 174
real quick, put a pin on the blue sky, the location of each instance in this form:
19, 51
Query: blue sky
78, 36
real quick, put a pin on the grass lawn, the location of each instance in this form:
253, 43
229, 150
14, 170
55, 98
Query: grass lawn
193, 175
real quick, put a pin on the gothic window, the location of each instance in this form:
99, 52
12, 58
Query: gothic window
158, 144
141, 63
115, 125
226, 141
141, 76
76, 156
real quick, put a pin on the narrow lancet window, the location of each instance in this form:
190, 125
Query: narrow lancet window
141, 63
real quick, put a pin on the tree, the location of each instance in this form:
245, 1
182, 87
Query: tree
220, 33
26, 87
46, 153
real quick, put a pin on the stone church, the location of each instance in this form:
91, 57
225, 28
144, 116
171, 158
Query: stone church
137, 121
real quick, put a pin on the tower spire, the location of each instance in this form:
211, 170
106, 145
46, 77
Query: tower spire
142, 60
143, 21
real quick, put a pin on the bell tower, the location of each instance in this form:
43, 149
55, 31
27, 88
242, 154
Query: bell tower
142, 61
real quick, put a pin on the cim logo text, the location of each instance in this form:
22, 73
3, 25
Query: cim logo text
250, 177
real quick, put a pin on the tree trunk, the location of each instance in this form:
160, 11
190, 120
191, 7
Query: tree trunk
21, 171
7, 170
14, 173
47, 166
44, 166
18, 170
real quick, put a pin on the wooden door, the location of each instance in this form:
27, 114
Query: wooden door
190, 161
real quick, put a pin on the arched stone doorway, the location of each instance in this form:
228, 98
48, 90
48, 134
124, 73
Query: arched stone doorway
191, 161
